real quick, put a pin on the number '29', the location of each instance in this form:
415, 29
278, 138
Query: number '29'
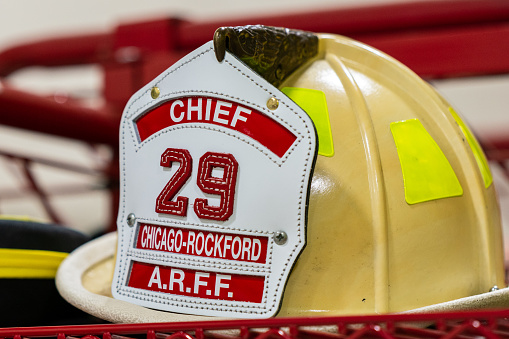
223, 187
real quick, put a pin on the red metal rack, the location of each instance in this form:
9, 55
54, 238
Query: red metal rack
475, 325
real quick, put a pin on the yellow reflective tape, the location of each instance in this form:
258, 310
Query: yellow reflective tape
17, 218
480, 158
20, 263
314, 103
427, 174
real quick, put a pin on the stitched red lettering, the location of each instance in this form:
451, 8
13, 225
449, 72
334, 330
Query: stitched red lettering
149, 236
202, 243
207, 251
171, 242
155, 278
237, 115
246, 120
163, 241
207, 109
255, 254
190, 242
220, 284
196, 108
172, 111
221, 112
144, 234
174, 279
198, 282
246, 248
227, 240
157, 241
192, 283
224, 186
178, 241
236, 254
217, 246
164, 203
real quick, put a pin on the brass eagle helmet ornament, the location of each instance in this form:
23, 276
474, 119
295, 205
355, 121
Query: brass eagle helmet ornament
361, 191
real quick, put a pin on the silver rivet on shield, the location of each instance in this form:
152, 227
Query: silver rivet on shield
280, 237
131, 219
272, 103
154, 92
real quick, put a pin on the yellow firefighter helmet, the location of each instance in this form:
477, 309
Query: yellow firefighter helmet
401, 208
402, 212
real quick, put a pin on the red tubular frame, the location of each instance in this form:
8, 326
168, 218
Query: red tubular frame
489, 324
24, 110
363, 23
411, 32
86, 49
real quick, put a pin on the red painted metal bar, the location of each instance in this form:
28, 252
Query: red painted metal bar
24, 110
444, 323
52, 163
75, 50
435, 39
450, 52
43, 197
363, 23
54, 190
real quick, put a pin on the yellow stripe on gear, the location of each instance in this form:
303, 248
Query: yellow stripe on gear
18, 218
21, 263
480, 158
427, 174
313, 102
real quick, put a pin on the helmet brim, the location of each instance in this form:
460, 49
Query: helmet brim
84, 280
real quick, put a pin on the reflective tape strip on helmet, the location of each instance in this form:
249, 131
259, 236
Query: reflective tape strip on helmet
427, 173
314, 103
480, 158
21, 263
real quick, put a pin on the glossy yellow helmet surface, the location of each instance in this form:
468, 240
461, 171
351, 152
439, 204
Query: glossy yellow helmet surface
403, 212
